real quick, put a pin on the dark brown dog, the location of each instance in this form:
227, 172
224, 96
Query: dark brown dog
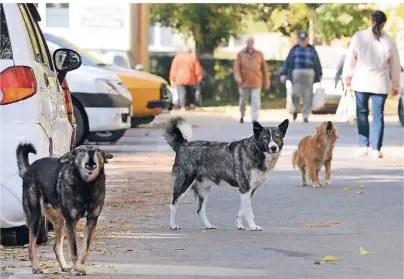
314, 152
64, 190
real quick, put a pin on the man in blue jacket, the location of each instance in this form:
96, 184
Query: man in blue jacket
303, 68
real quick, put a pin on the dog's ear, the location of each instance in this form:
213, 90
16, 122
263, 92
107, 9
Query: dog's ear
283, 127
106, 156
257, 128
68, 158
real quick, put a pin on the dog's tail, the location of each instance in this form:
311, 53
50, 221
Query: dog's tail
22, 152
294, 159
177, 132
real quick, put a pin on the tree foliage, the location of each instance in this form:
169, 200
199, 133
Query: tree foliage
341, 20
208, 24
331, 20
211, 25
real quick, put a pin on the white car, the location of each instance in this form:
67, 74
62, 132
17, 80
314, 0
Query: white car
32, 106
102, 104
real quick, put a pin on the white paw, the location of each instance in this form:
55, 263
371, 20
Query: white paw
67, 269
316, 185
240, 227
175, 227
211, 227
80, 270
256, 228
328, 182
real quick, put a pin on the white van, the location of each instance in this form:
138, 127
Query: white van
102, 104
32, 105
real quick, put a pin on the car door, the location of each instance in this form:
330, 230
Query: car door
54, 115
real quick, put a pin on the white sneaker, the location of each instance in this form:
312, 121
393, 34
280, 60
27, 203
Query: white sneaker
377, 154
363, 151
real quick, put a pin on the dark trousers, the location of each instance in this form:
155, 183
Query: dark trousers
186, 95
362, 112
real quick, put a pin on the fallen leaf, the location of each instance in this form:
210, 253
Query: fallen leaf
100, 242
361, 186
346, 189
25, 246
140, 251
330, 259
360, 192
324, 224
364, 252
1, 247
203, 231
319, 262
104, 252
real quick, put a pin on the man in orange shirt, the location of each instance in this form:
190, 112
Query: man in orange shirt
186, 72
250, 71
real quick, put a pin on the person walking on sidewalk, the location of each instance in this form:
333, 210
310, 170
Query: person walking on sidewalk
250, 71
186, 72
372, 70
303, 68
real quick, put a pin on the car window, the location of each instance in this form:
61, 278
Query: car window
87, 57
31, 33
6, 52
47, 61
43, 46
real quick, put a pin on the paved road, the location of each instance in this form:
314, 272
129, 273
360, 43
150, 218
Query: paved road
301, 224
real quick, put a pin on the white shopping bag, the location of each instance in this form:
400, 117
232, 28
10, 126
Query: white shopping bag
319, 99
346, 111
174, 94
289, 101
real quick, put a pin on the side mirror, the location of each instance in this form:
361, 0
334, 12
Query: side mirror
66, 60
139, 67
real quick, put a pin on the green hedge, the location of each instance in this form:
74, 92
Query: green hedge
218, 86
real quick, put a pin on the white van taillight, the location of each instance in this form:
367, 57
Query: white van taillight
16, 84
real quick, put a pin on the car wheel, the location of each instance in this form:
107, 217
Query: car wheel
22, 234
401, 111
108, 136
81, 128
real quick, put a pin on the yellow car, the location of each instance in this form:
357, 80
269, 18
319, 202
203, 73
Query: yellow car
149, 92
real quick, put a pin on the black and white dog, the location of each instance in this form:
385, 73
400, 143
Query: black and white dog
243, 164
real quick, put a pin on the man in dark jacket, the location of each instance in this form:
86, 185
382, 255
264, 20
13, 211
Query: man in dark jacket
303, 68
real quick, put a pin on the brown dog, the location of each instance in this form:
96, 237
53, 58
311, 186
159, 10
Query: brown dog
314, 152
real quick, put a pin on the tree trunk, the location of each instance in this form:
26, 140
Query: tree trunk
205, 51
312, 31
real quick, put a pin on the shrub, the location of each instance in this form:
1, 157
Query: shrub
218, 86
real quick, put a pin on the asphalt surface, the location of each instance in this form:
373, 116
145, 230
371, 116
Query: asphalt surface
301, 224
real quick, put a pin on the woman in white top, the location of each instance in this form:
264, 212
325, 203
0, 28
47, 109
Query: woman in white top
372, 70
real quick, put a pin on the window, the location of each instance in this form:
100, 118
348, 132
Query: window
6, 52
151, 35
31, 33
166, 37
43, 46
57, 14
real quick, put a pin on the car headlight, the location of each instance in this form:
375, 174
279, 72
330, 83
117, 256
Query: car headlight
105, 86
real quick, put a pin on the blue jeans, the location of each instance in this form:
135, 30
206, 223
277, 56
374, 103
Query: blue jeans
362, 112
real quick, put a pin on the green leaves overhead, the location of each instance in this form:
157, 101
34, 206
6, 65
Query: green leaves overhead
341, 20
211, 25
